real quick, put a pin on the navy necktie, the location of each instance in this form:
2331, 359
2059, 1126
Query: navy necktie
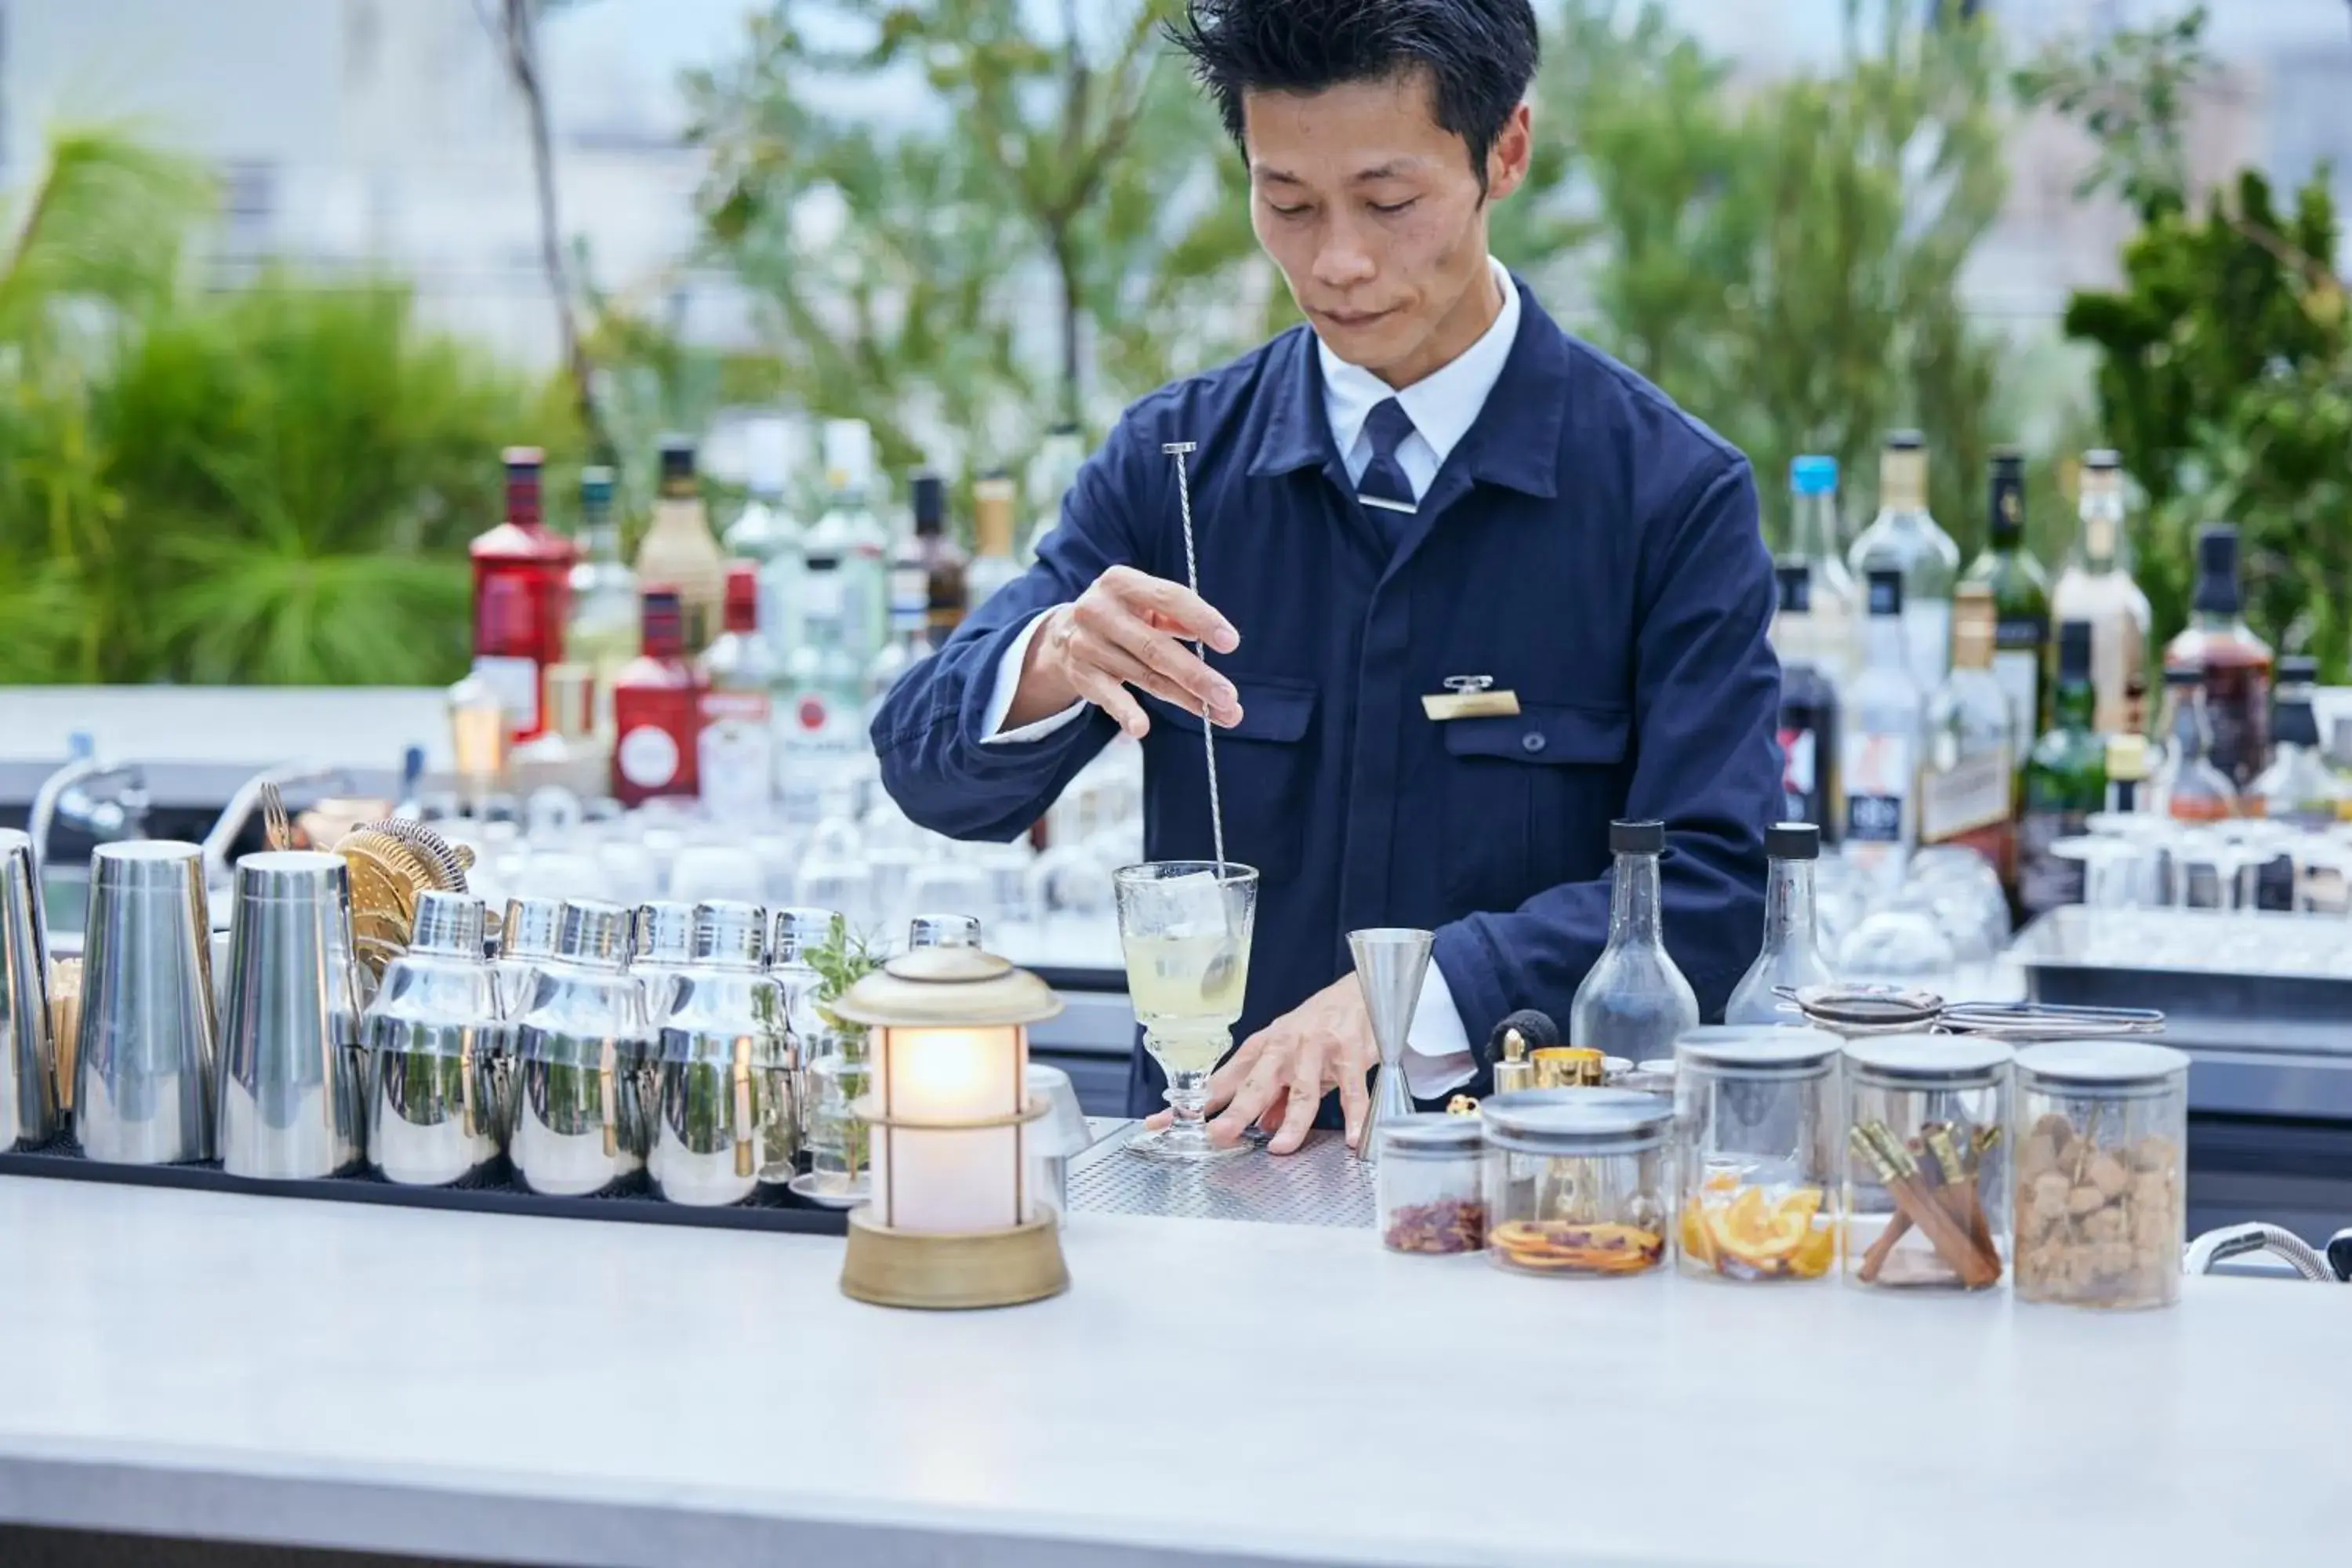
1385, 491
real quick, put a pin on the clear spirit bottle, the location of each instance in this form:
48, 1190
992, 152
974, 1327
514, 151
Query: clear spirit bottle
1905, 538
853, 538
766, 533
741, 676
606, 611
1834, 599
1633, 1002
1881, 767
1809, 759
1791, 955
1968, 781
2096, 586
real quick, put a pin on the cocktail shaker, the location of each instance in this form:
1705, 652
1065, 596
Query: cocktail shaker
144, 1068
29, 1111
797, 934
724, 1065
530, 929
289, 1094
434, 1106
661, 946
581, 1049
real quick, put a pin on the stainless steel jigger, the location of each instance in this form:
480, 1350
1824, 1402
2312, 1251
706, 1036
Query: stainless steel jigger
1391, 963
290, 1096
28, 1050
144, 1068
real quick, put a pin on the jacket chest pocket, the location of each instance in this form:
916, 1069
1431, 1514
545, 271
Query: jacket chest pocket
1264, 779
1530, 798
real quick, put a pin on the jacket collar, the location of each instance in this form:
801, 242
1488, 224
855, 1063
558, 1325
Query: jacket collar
1516, 441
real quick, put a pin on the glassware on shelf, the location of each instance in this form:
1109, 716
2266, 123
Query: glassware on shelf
1633, 1002
1757, 1113
2102, 1130
1902, 945
950, 886
1184, 927
1430, 1184
1578, 1181
719, 872
1791, 954
1927, 1161
834, 875
2187, 786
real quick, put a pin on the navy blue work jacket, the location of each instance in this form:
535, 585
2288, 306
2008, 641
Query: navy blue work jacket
1587, 544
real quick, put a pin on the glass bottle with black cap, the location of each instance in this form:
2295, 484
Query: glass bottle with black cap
1633, 1002
1791, 955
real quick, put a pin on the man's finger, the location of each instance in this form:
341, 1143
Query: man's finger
1306, 1093
1180, 675
1177, 605
1233, 1071
1115, 700
1123, 665
1249, 1101
1355, 1104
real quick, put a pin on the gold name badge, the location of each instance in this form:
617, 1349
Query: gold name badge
1470, 697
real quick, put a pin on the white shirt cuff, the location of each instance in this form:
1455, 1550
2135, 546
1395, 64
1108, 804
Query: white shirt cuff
1438, 1059
1008, 685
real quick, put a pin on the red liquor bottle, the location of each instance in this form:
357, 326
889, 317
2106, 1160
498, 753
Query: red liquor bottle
522, 596
657, 709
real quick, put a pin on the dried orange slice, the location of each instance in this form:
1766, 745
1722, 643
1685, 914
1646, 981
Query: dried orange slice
1816, 1254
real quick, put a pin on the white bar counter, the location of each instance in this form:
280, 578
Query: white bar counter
556, 1392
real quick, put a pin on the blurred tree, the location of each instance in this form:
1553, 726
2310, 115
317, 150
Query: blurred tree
2225, 358
1785, 259
902, 260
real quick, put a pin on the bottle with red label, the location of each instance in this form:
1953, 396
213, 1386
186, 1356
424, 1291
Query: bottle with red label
522, 596
740, 675
657, 710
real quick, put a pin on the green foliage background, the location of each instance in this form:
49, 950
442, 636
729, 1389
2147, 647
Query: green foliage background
275, 483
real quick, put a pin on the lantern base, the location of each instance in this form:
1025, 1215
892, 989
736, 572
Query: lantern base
953, 1273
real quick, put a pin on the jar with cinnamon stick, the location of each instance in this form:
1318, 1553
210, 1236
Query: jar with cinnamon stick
1928, 1161
2102, 1130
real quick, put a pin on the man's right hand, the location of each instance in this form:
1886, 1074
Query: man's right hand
1127, 629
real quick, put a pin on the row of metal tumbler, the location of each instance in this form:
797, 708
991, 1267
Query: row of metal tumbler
602, 1042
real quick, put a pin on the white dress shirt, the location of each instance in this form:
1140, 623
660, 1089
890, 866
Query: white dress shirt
1442, 406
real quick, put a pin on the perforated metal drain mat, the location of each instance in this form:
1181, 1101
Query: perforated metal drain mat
1321, 1185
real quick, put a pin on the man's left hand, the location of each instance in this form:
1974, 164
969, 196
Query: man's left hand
1281, 1073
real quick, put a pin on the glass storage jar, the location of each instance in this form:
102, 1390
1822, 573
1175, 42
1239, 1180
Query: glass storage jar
1758, 1117
1578, 1181
2102, 1131
1927, 1161
1432, 1196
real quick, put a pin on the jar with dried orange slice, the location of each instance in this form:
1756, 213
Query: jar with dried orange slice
1758, 1116
1576, 1181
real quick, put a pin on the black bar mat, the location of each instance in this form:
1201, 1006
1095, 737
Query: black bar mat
768, 1208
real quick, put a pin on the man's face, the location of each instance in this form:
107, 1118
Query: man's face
1375, 216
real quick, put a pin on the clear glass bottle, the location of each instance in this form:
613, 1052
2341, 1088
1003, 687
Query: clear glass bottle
2188, 787
2065, 782
2101, 1135
852, 538
1927, 1161
995, 562
1968, 779
2235, 662
680, 550
1906, 538
1834, 598
1057, 472
2021, 596
606, 613
820, 723
910, 606
1880, 769
2097, 586
1431, 1178
1791, 954
766, 533
1578, 1181
738, 744
1809, 710
2298, 786
1757, 1115
1634, 1000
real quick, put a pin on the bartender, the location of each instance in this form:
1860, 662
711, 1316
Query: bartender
1428, 489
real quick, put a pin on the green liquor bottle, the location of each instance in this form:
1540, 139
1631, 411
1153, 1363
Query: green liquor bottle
2021, 596
2065, 780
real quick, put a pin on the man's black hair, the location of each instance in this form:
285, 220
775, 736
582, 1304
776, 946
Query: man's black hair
1480, 54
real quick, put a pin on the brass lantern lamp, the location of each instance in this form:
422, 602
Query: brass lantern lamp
953, 1222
